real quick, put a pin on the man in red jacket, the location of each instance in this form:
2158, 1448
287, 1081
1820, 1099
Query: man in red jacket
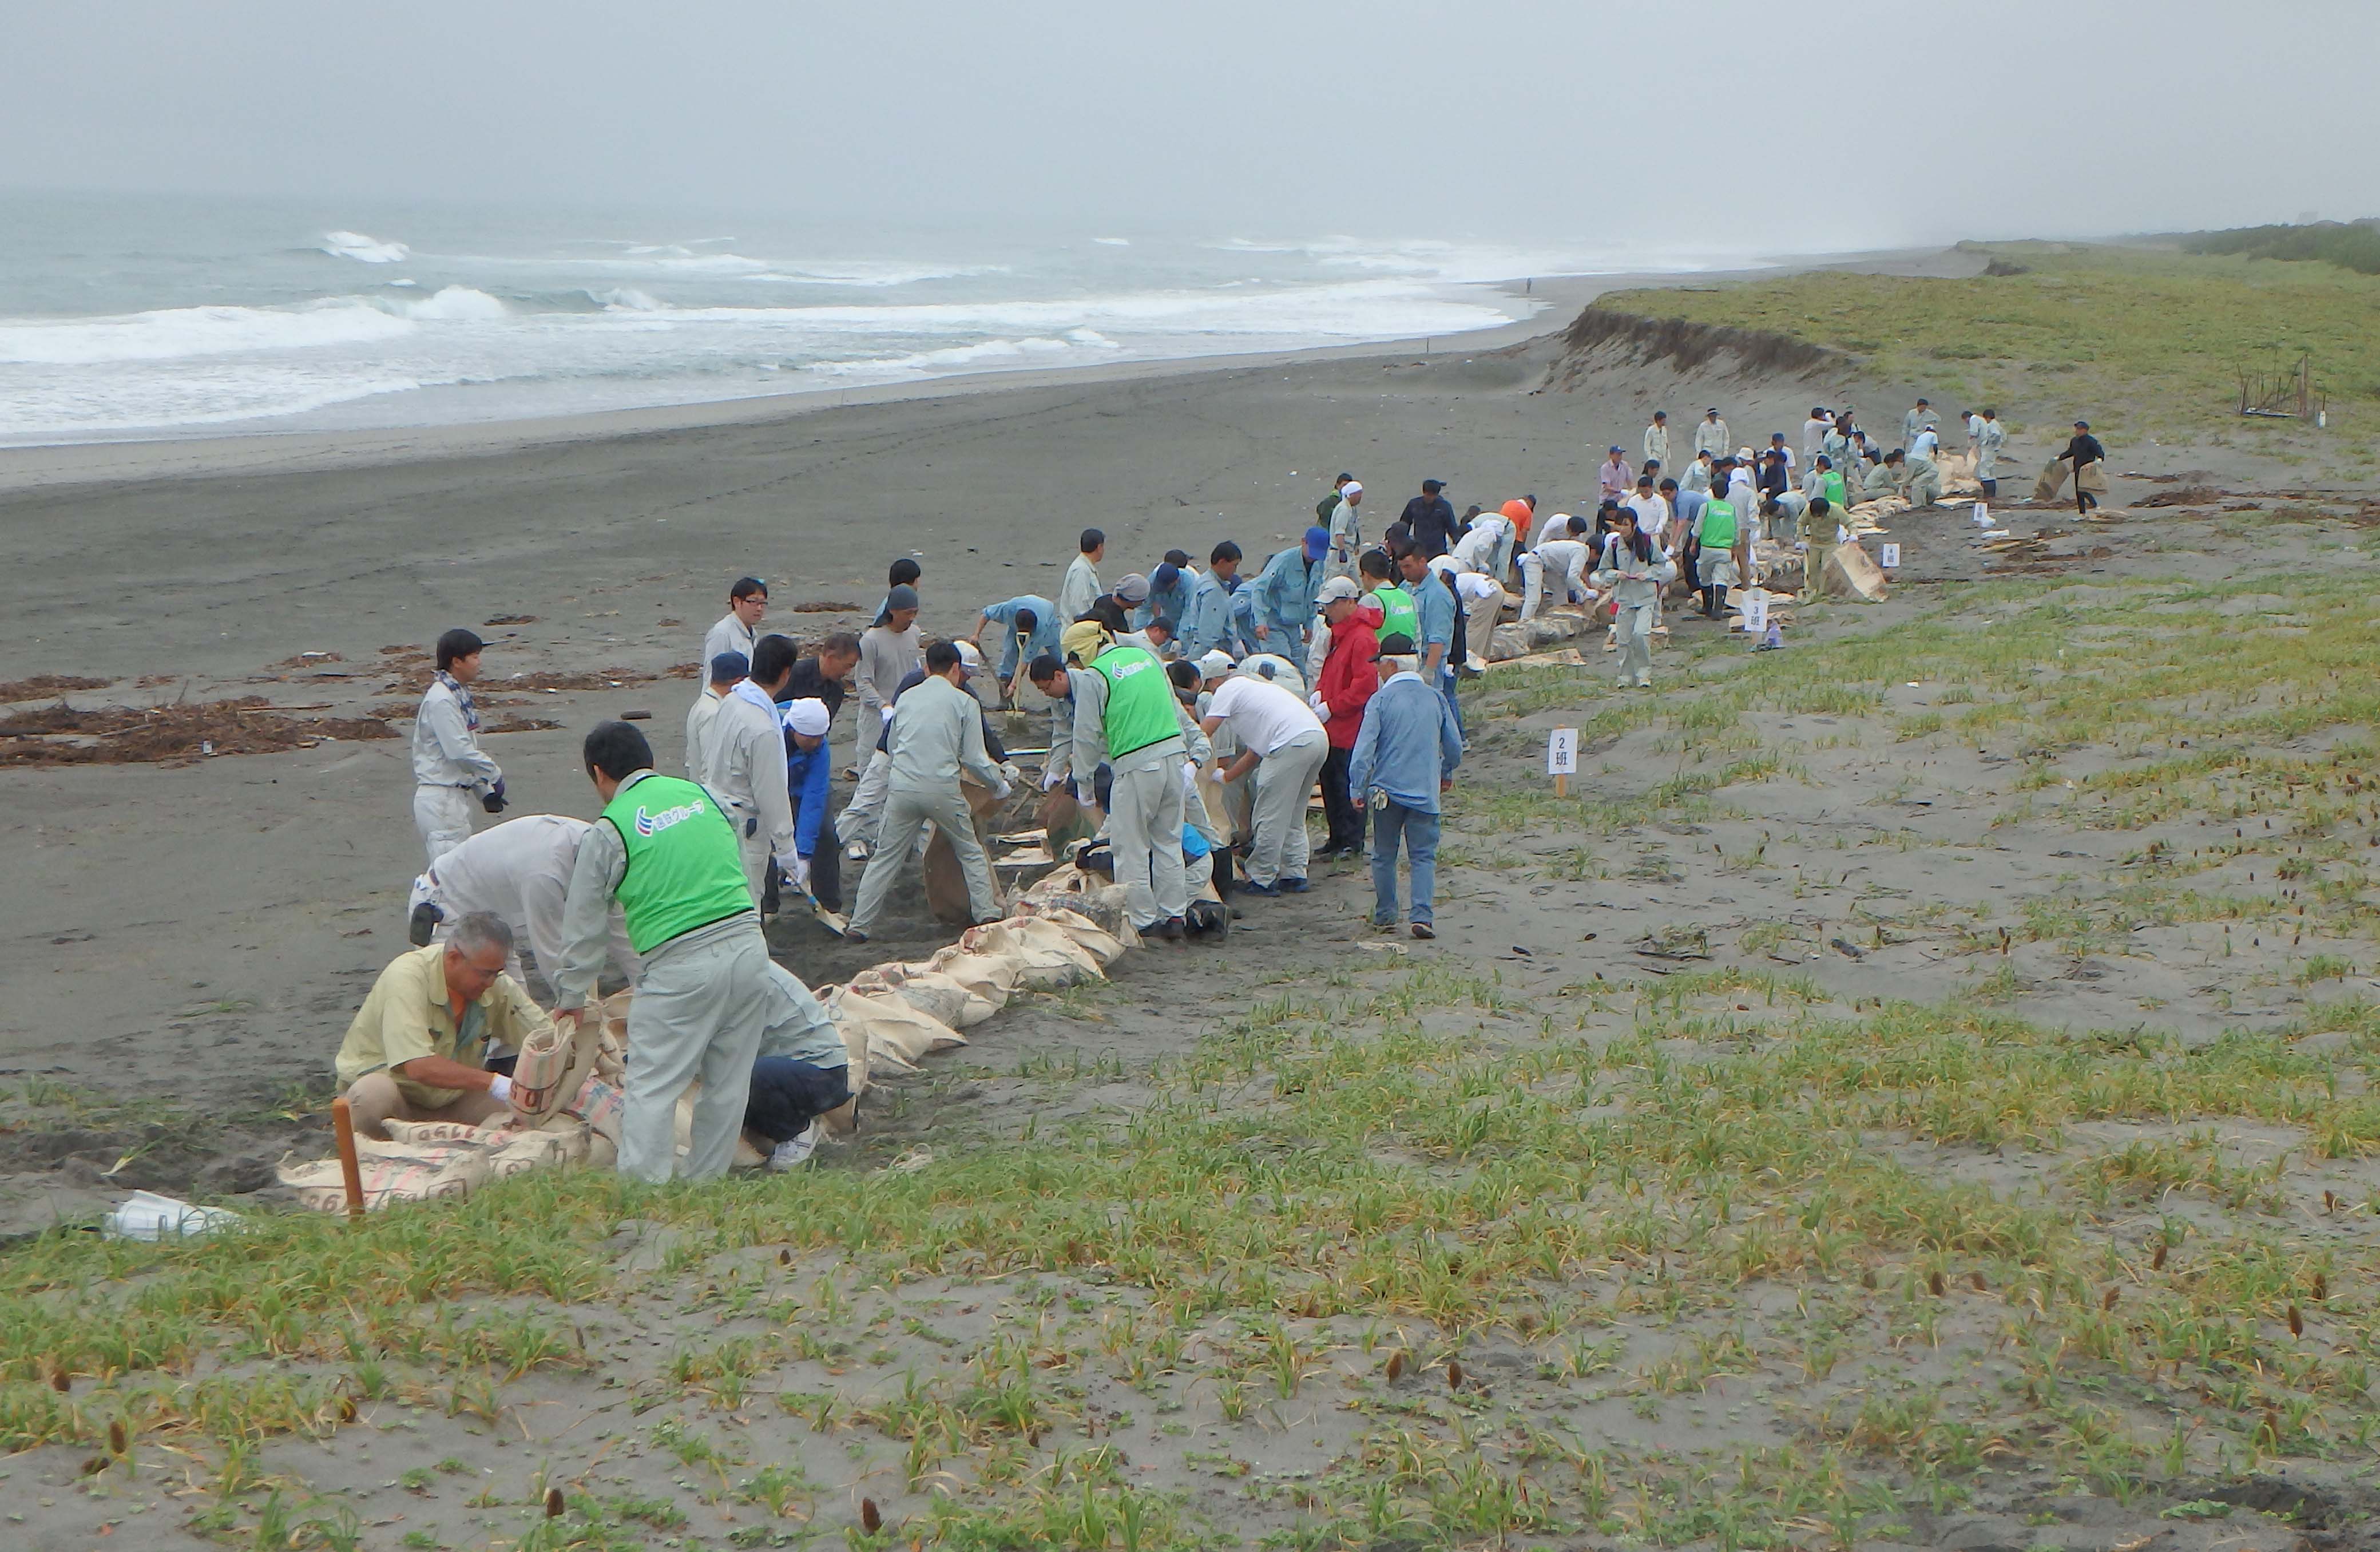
1348, 681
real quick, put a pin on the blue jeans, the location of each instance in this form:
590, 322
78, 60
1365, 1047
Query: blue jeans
1390, 821
787, 1095
1446, 687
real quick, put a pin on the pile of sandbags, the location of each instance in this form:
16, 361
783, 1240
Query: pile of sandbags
1958, 473
424, 1161
892, 1016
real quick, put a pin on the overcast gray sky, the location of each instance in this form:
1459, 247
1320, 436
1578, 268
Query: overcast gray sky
1804, 125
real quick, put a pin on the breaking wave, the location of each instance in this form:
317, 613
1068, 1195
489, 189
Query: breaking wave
362, 249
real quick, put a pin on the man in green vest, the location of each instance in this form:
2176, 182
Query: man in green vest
1400, 615
1716, 531
1127, 718
667, 855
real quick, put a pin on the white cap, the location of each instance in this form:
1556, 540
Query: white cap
970, 655
1215, 665
1336, 589
807, 717
1352, 487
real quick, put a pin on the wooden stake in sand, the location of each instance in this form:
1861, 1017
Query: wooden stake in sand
1561, 758
343, 1126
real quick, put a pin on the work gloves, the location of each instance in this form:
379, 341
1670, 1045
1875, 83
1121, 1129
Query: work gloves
493, 799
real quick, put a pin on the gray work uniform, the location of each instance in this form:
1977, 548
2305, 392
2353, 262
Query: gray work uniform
937, 732
1636, 589
743, 766
449, 769
705, 1001
886, 656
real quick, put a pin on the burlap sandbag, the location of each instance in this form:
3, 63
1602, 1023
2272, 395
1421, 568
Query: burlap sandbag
1958, 471
991, 979
543, 1062
1046, 958
546, 1147
931, 992
1066, 820
1069, 887
946, 889
897, 1035
392, 1172
1088, 935
1851, 573
2093, 480
2053, 475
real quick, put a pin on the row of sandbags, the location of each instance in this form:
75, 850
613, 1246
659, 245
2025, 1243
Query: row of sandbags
568, 1091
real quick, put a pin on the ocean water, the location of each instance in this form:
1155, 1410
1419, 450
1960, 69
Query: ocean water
123, 317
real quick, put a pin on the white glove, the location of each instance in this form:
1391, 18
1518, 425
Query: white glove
1216, 774
500, 1089
1052, 777
1321, 707
1008, 768
797, 872
1003, 789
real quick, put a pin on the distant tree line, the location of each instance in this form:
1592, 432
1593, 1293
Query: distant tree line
2353, 245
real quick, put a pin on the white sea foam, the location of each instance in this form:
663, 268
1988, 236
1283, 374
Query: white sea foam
173, 333
362, 249
985, 353
1114, 242
455, 304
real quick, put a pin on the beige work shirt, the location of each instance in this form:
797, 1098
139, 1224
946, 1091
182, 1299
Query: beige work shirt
406, 1015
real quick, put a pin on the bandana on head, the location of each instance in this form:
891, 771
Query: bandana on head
1083, 640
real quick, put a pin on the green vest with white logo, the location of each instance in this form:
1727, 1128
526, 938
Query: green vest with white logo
1400, 615
1140, 701
1831, 485
684, 868
1719, 525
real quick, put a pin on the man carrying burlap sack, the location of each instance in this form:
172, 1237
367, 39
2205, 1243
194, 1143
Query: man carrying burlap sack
417, 1049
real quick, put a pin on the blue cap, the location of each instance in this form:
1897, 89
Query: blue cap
1316, 541
729, 666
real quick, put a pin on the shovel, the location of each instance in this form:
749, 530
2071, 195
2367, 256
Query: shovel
835, 923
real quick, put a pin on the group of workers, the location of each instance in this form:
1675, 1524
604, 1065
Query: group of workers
1196, 710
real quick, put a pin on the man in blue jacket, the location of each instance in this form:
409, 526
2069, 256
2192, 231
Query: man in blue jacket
1283, 602
1404, 757
807, 769
1210, 623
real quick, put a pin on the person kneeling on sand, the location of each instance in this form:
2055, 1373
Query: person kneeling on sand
418, 1048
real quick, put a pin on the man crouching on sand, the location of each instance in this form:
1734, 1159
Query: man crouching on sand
418, 1048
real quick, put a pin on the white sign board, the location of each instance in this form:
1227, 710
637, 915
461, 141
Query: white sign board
1891, 559
1562, 751
1756, 612
1982, 515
